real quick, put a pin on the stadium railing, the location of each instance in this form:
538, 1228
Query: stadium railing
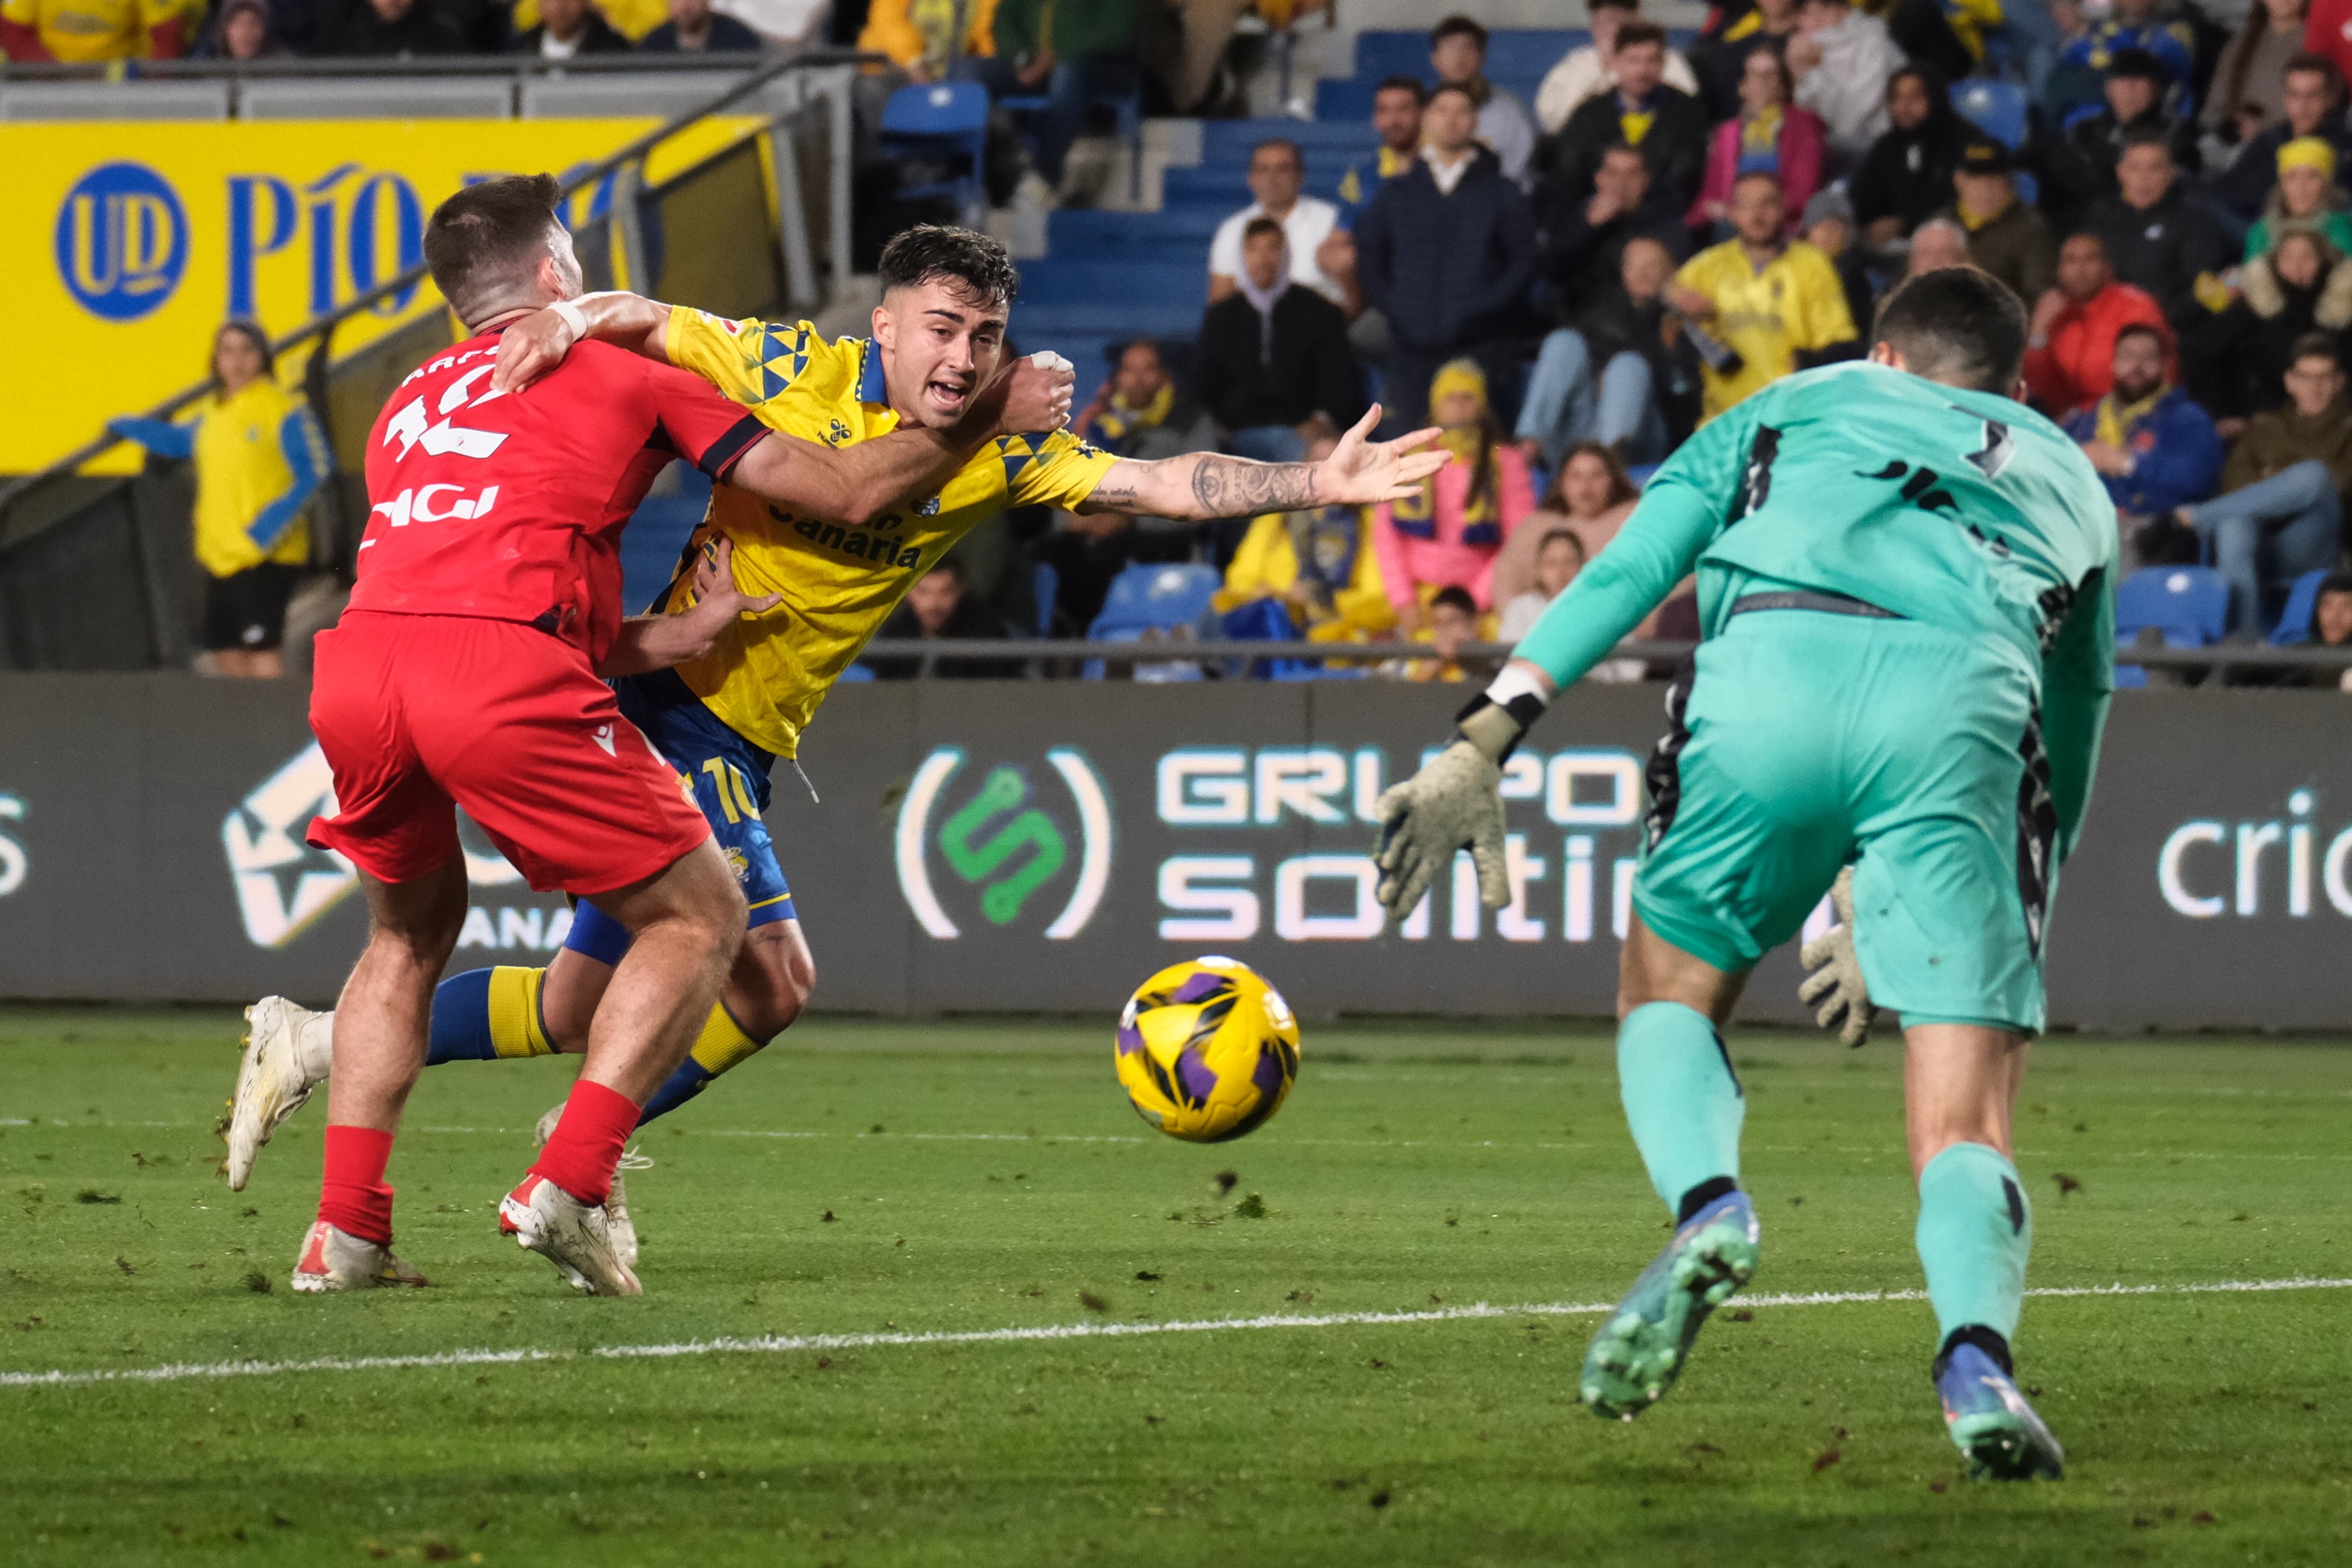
2215, 662
93, 571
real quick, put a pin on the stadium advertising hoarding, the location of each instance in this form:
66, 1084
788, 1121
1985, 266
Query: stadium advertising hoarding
1044, 846
126, 245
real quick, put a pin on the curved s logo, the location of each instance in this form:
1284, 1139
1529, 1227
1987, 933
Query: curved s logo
121, 241
1004, 842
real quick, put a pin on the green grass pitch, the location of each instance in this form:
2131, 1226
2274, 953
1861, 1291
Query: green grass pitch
865, 1178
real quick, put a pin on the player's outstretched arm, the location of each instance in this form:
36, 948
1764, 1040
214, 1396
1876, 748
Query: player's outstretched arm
536, 344
856, 483
657, 642
1201, 486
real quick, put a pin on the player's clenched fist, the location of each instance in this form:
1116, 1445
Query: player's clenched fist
1037, 394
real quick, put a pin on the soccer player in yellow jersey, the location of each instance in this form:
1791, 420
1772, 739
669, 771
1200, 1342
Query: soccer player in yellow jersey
1775, 301
722, 720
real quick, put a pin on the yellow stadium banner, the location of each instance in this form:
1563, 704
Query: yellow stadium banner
128, 243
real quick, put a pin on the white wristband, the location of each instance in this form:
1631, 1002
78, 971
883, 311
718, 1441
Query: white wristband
1515, 682
573, 316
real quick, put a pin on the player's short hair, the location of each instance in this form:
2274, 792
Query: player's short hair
2317, 346
1458, 27
1261, 225
1957, 325
1412, 85
481, 237
1641, 32
971, 264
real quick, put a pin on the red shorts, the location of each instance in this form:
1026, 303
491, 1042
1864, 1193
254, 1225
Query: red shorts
419, 713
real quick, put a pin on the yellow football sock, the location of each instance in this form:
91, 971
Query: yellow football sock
516, 1027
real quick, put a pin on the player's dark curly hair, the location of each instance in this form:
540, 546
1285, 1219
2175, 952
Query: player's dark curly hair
978, 267
481, 236
1957, 325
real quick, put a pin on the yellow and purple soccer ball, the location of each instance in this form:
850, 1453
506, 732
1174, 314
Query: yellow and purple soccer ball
1207, 1051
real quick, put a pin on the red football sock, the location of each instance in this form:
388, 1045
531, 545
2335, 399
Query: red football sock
352, 1196
585, 1147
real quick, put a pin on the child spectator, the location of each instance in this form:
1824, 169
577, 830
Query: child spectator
1452, 626
2330, 627
1559, 555
1769, 136
1448, 536
1590, 497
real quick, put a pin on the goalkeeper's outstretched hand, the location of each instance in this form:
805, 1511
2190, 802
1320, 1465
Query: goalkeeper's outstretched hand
1833, 987
1454, 803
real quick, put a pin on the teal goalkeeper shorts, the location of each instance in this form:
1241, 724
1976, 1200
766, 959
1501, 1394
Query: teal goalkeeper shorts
1805, 740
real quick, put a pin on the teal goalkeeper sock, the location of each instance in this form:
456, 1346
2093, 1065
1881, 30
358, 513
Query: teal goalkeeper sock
1974, 1230
1682, 1099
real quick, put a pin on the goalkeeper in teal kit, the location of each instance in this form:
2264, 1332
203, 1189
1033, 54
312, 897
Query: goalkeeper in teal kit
1908, 651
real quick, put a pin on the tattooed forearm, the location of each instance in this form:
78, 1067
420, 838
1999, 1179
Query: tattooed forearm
1236, 488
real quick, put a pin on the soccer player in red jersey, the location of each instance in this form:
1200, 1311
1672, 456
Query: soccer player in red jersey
465, 672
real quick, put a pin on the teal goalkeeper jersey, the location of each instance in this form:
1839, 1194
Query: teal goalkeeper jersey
1957, 510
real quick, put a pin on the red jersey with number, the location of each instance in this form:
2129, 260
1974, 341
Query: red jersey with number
509, 506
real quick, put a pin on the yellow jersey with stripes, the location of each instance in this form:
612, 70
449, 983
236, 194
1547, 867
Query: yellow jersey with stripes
768, 673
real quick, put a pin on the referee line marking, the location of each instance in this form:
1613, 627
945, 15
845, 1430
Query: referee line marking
772, 1345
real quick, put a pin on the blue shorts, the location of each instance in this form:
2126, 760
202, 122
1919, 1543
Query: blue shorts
728, 777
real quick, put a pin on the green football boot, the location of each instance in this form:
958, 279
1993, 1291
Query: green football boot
1992, 1423
1640, 1350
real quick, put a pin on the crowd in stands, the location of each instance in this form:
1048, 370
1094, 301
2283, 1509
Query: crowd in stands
1572, 288
83, 31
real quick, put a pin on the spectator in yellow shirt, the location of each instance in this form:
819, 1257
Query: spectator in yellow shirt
1770, 305
920, 36
259, 457
1319, 563
77, 31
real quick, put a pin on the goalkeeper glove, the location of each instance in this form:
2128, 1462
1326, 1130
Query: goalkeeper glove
1835, 988
1457, 802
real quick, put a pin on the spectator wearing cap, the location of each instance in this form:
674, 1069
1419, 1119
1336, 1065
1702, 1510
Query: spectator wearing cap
2071, 341
694, 28
2007, 237
2305, 197
1591, 68
2312, 99
1446, 254
1274, 353
1775, 303
2304, 286
1828, 226
2160, 241
1457, 53
2083, 165
2134, 26
241, 31
2282, 506
2154, 447
1448, 535
1901, 179
1768, 136
1842, 59
1607, 376
1666, 125
1277, 176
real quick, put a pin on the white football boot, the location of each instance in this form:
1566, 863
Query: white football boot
544, 1219
288, 1051
335, 1259
616, 1207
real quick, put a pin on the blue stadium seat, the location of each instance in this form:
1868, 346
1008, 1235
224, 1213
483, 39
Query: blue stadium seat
856, 674
946, 120
1995, 108
2295, 621
1156, 598
2188, 606
1127, 106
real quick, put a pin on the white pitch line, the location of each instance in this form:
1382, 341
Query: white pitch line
771, 1344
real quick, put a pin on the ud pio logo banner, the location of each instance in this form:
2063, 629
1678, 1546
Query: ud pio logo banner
1007, 846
